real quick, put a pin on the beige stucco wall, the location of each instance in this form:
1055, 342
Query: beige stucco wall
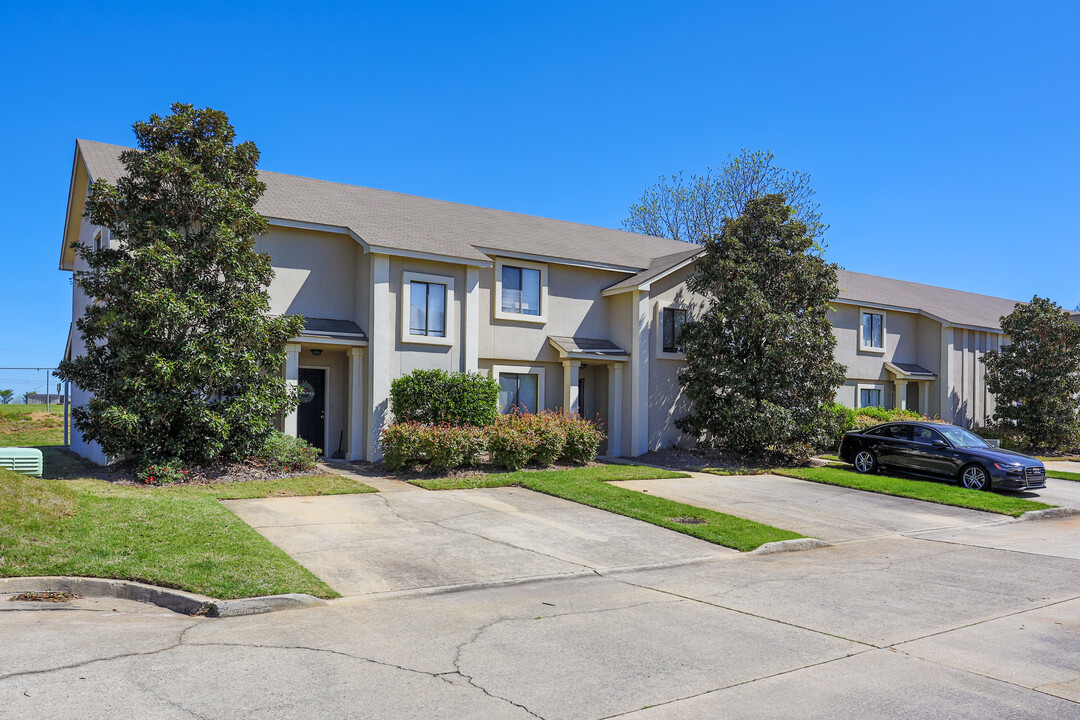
666, 398
79, 300
314, 272
970, 404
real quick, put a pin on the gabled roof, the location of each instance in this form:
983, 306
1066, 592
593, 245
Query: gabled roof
398, 223
658, 268
587, 348
952, 306
327, 327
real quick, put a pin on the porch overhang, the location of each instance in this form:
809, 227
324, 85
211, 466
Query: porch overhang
327, 331
909, 371
580, 348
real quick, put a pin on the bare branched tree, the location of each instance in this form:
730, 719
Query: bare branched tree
694, 208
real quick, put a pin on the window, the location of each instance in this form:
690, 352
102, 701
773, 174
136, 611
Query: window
924, 436
427, 309
672, 322
520, 290
518, 390
870, 397
872, 331
896, 432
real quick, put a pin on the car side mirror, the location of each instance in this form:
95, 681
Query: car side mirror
938, 444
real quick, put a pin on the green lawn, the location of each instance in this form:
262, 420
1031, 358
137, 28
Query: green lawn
31, 425
178, 536
589, 486
1062, 475
928, 490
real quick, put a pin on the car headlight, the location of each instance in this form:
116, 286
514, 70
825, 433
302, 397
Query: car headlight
1009, 468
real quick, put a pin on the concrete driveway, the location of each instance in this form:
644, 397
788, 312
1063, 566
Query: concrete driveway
415, 539
830, 513
884, 628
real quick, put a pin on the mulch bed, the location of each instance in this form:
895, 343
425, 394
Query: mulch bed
378, 470
123, 473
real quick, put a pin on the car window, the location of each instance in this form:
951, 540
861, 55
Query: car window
875, 431
897, 432
924, 435
960, 437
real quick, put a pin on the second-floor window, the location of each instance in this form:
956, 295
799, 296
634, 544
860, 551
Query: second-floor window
672, 320
427, 311
520, 290
873, 330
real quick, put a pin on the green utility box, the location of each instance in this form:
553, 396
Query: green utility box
27, 461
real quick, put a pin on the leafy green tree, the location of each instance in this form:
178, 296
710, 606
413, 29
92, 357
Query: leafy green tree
759, 353
6, 396
182, 357
1036, 377
694, 209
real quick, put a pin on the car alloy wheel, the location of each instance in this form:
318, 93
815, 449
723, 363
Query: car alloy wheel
865, 461
974, 478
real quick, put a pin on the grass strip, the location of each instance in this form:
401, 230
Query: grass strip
926, 490
1062, 475
589, 486
178, 536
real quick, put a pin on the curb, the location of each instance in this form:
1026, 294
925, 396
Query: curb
178, 601
1049, 513
789, 546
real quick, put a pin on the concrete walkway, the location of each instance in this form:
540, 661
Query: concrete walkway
410, 540
830, 513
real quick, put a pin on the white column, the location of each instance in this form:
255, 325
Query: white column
639, 373
292, 375
380, 343
470, 357
901, 394
924, 397
356, 404
614, 414
571, 370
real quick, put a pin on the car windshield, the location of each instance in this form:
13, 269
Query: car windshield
960, 437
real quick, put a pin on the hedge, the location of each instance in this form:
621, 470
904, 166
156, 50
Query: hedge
511, 441
436, 397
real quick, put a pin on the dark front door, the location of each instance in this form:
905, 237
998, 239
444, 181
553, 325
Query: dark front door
311, 416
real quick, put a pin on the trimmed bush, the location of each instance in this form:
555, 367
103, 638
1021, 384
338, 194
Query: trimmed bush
161, 472
582, 440
402, 444
435, 397
284, 453
510, 442
864, 418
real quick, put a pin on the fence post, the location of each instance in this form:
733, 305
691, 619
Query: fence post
47, 407
67, 404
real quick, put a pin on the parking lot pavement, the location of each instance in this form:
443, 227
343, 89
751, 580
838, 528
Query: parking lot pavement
805, 634
1065, 493
830, 513
402, 541
1058, 537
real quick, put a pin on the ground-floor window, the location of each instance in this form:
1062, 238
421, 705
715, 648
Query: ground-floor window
518, 390
870, 397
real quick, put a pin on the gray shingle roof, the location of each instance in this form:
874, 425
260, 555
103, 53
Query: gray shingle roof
327, 327
656, 268
954, 306
913, 369
416, 224
586, 346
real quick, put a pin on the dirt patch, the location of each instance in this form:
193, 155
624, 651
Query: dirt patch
695, 460
689, 520
52, 596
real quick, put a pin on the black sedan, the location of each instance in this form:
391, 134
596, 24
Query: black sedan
942, 451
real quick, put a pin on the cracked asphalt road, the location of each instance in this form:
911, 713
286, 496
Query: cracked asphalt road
886, 627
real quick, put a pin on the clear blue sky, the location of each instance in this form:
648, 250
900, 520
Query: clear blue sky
942, 137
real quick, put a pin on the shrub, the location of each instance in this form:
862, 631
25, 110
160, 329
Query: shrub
846, 419
510, 443
443, 447
284, 453
402, 444
1010, 438
435, 397
548, 434
161, 472
582, 440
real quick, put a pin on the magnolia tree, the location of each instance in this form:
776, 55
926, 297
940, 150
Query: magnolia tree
182, 356
1036, 377
759, 353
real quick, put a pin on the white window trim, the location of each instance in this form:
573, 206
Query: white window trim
884, 330
407, 279
500, 314
497, 370
869, 386
658, 325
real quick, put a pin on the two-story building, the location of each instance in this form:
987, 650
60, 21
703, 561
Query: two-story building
563, 315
